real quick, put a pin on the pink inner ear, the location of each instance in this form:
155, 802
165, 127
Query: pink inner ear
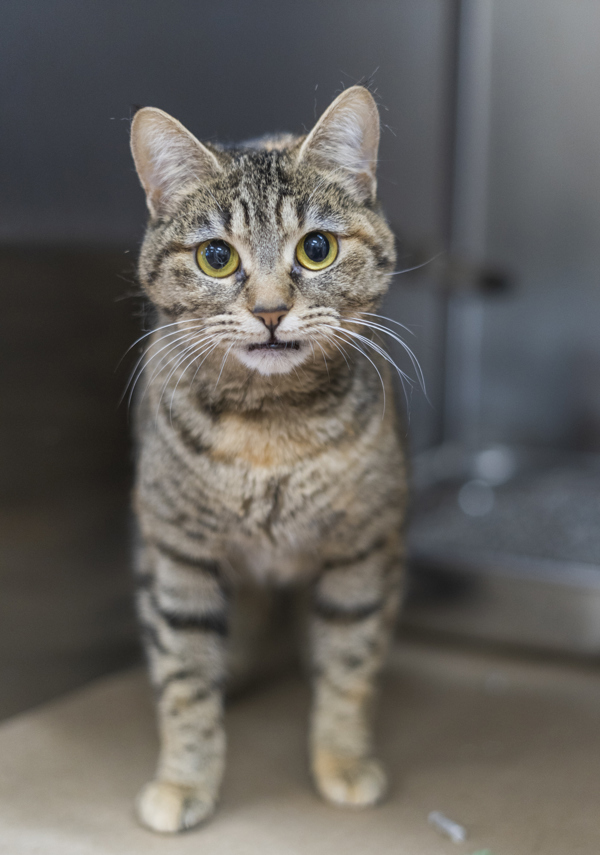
167, 156
346, 140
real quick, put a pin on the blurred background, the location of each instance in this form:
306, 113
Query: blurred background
490, 176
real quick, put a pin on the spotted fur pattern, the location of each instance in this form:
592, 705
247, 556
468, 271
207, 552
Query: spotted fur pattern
258, 468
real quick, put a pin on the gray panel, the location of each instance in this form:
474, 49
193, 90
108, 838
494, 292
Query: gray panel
229, 70
542, 350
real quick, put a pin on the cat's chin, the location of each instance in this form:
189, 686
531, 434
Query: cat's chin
267, 361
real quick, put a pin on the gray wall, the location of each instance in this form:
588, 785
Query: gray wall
542, 347
70, 69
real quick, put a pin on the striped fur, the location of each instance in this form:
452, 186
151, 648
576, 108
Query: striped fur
286, 470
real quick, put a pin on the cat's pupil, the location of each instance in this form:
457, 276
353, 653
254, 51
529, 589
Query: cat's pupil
217, 254
316, 247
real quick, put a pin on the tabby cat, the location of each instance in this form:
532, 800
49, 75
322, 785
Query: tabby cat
267, 454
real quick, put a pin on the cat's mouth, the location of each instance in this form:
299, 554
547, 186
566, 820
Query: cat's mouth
275, 345
273, 356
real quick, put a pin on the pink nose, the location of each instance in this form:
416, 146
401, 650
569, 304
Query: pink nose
271, 319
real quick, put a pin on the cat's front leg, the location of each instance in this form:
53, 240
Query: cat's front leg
353, 615
183, 610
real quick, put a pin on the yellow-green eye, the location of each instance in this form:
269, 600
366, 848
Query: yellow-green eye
217, 258
317, 250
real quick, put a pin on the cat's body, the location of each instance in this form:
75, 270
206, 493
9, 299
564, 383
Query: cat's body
266, 455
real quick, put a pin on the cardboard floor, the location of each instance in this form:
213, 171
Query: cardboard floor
508, 748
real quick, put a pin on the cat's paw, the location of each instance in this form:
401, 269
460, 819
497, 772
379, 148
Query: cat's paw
167, 807
349, 781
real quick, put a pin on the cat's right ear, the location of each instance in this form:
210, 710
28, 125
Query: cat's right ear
167, 157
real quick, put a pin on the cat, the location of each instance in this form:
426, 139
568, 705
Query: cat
267, 454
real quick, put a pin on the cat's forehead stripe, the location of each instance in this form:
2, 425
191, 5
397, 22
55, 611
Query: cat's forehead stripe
262, 201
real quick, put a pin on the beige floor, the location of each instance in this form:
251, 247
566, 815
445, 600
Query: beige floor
509, 749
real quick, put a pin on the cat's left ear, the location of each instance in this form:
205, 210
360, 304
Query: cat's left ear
346, 140
167, 157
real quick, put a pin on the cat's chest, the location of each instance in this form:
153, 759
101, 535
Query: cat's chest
270, 521
285, 480
276, 521
262, 443
268, 500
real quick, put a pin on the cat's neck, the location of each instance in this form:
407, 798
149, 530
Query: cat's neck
231, 386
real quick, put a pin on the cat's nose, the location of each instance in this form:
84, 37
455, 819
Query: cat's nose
271, 318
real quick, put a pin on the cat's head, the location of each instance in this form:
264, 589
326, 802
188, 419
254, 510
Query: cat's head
273, 245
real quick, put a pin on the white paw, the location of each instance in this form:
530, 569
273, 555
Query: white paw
347, 781
168, 808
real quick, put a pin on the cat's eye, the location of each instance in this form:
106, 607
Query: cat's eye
217, 258
317, 250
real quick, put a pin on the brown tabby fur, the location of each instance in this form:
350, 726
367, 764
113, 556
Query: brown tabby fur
264, 469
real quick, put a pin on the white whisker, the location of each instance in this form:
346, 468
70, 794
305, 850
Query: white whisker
169, 347
418, 266
415, 362
338, 347
378, 349
155, 329
182, 357
143, 361
324, 359
391, 320
178, 359
214, 346
223, 364
404, 378
361, 351
195, 355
